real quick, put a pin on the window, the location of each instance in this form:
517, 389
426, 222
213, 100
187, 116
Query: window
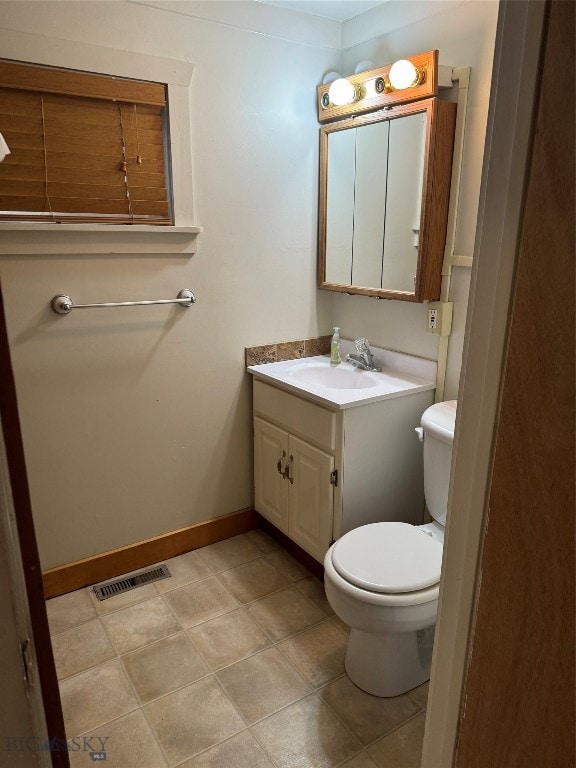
84, 147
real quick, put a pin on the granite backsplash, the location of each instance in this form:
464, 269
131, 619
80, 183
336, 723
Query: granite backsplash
288, 350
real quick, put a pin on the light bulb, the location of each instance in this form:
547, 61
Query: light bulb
363, 66
342, 92
329, 77
403, 74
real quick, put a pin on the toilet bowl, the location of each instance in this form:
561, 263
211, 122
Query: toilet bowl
383, 579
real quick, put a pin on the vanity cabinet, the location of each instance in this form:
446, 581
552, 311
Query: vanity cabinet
293, 486
319, 472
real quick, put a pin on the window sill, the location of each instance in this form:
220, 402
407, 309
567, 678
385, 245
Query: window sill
32, 238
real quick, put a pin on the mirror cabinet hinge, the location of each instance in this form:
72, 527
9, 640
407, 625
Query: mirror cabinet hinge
334, 478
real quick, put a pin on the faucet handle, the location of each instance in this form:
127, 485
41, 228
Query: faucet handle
362, 347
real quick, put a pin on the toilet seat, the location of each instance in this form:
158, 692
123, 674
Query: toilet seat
388, 558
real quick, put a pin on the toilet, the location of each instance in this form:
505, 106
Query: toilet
382, 579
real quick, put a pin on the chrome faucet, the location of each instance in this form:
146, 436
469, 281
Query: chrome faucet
363, 360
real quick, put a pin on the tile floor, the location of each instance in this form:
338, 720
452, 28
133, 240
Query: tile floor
237, 661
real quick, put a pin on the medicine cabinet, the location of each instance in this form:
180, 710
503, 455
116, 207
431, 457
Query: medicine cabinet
383, 201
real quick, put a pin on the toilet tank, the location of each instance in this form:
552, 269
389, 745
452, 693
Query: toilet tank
438, 425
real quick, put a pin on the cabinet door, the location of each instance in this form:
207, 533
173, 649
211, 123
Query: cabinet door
311, 500
271, 489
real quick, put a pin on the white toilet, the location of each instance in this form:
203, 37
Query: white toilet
382, 579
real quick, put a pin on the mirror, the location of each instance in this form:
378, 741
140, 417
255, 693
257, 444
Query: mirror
384, 193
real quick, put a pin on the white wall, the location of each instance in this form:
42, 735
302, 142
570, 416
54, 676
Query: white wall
464, 34
138, 422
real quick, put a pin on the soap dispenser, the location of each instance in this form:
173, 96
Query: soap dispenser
335, 358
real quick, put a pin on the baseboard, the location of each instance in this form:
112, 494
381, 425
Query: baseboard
92, 570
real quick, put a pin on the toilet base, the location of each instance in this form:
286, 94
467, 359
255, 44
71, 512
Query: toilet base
391, 663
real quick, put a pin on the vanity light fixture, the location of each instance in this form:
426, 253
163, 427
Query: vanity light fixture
368, 90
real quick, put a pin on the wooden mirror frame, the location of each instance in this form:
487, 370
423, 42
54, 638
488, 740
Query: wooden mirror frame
440, 126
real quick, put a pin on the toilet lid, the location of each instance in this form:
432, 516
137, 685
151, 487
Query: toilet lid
388, 557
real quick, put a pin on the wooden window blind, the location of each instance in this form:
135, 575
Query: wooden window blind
84, 147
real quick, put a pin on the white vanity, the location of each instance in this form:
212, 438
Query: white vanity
335, 448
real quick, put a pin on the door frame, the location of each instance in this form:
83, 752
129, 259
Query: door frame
514, 91
520, 670
30, 617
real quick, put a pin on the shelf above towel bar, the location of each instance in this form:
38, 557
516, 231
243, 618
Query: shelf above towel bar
63, 304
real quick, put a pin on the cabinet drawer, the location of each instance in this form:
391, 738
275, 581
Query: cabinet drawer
300, 417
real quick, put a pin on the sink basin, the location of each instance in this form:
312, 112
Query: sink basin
344, 386
343, 376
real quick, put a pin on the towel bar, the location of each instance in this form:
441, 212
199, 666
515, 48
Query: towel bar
63, 304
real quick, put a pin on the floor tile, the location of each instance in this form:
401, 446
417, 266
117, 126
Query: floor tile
200, 601
241, 751
229, 638
403, 747
200, 687
287, 565
368, 717
363, 760
253, 580
229, 553
81, 647
164, 666
313, 588
184, 569
337, 621
262, 684
318, 653
139, 625
129, 743
263, 540
193, 719
123, 600
420, 695
96, 696
69, 610
285, 613
306, 734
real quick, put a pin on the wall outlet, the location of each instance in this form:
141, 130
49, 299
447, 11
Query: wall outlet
439, 318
